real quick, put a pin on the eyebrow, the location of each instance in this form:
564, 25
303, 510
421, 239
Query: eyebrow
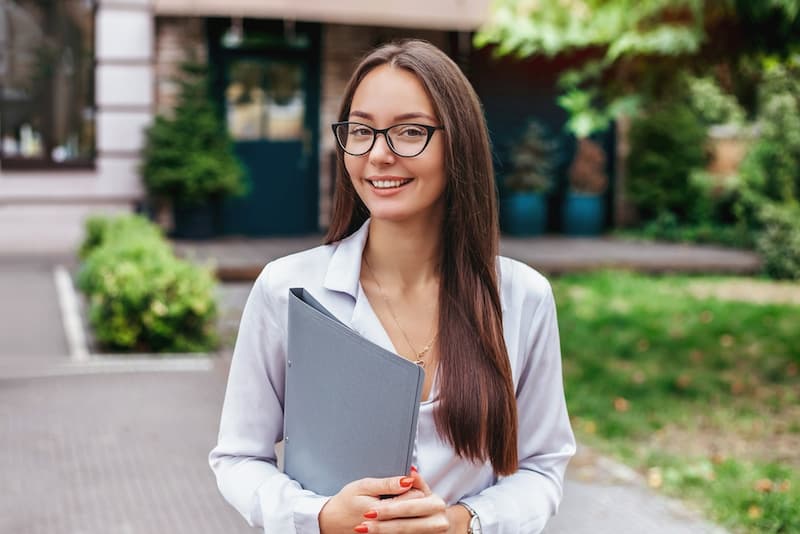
401, 117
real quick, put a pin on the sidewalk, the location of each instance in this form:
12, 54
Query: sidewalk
123, 449
126, 453
243, 259
30, 319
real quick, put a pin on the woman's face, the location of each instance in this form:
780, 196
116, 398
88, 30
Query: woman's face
392, 187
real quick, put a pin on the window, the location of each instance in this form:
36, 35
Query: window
47, 114
265, 100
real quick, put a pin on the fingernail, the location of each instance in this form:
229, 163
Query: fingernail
414, 469
406, 482
362, 529
372, 514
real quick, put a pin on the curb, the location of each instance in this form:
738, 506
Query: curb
248, 273
96, 365
70, 315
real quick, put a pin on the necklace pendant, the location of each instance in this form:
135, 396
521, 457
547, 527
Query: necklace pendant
421, 363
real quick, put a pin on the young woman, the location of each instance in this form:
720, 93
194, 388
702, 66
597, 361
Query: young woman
410, 262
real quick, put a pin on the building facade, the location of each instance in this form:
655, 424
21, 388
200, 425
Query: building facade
81, 80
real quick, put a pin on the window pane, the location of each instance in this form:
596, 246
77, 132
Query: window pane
47, 80
265, 100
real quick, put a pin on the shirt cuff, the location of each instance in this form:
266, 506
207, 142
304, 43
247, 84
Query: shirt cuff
493, 520
306, 513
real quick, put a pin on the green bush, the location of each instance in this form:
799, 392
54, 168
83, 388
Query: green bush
666, 227
99, 228
189, 156
716, 197
711, 103
141, 297
779, 241
667, 144
770, 173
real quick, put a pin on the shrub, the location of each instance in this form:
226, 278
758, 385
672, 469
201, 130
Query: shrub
189, 156
770, 173
779, 241
667, 144
99, 228
533, 161
141, 297
711, 103
587, 172
666, 227
716, 197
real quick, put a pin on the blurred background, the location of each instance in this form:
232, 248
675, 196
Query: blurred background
155, 154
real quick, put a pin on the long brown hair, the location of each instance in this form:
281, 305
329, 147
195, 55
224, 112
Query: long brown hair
477, 411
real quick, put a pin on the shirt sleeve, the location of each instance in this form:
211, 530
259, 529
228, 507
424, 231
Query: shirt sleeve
244, 460
524, 501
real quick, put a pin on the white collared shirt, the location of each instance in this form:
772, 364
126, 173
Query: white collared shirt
244, 460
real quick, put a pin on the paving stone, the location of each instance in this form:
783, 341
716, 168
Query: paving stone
30, 317
112, 453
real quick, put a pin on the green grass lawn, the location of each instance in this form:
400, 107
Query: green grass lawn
700, 393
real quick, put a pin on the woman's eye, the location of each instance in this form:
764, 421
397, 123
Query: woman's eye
358, 130
411, 131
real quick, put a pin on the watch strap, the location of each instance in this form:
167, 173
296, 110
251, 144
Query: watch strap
475, 521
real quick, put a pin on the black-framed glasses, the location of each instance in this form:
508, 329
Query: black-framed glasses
406, 140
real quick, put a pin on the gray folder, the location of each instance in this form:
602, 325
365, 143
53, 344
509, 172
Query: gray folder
351, 406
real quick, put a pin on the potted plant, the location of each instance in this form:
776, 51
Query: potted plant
188, 159
523, 208
584, 205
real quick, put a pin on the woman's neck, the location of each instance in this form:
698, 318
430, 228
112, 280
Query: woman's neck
405, 255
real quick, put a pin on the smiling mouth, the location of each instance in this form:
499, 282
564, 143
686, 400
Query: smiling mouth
389, 184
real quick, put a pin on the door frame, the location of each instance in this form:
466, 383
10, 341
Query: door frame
278, 46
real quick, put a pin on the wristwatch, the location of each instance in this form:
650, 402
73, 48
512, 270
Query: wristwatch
474, 520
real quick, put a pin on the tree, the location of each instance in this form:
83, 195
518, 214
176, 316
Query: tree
188, 156
629, 51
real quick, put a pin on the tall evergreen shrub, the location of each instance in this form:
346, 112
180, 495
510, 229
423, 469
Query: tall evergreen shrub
188, 155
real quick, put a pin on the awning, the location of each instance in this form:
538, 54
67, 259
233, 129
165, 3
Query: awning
459, 15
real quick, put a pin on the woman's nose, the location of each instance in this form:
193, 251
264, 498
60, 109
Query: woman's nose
381, 152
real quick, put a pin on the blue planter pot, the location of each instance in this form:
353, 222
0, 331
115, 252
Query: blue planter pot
523, 213
584, 214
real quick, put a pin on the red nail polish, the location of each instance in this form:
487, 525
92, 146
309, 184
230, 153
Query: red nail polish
361, 529
372, 514
414, 469
406, 482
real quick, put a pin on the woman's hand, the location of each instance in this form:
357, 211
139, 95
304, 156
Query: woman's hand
417, 510
349, 508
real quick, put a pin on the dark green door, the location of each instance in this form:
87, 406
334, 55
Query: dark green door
270, 103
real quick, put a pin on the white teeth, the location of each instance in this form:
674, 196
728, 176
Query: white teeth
388, 184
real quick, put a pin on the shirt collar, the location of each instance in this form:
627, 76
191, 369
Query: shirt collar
344, 268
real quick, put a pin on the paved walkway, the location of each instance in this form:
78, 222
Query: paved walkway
30, 319
98, 448
243, 259
125, 453
121, 453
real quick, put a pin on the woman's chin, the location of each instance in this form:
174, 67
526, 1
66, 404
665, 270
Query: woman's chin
404, 213
390, 215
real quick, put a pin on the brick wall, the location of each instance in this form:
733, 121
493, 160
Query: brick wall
177, 39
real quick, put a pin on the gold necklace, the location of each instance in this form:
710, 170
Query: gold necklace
419, 354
